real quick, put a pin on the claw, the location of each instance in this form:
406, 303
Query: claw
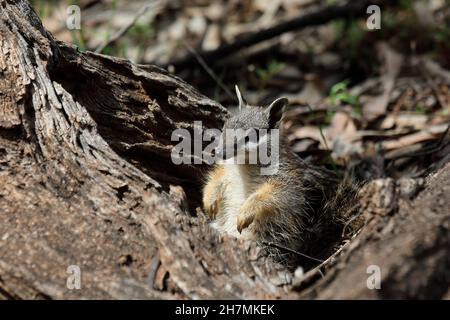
213, 210
244, 220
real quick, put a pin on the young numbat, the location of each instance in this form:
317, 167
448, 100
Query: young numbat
296, 212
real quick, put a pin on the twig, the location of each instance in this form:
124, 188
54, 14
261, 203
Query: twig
440, 145
426, 151
127, 27
323, 15
90, 4
325, 143
441, 140
211, 73
353, 218
271, 244
309, 276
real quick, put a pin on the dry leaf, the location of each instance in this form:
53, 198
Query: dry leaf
392, 62
404, 120
424, 135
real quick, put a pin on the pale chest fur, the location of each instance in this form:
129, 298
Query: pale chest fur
239, 183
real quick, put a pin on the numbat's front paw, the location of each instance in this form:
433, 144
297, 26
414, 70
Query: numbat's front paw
211, 208
244, 219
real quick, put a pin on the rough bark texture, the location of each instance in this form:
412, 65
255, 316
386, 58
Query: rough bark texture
408, 240
86, 179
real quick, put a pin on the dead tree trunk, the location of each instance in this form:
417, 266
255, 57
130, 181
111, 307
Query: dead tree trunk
86, 179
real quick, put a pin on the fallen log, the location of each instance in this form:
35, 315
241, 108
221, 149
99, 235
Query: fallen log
87, 181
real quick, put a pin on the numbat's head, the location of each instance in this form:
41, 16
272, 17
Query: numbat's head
251, 127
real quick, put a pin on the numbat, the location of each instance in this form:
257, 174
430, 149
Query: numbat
297, 213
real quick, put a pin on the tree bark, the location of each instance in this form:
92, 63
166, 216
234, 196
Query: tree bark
87, 180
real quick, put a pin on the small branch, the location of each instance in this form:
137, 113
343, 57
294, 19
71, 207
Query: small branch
440, 145
127, 27
271, 244
323, 15
208, 70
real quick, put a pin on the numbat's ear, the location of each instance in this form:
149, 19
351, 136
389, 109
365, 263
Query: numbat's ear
242, 102
275, 111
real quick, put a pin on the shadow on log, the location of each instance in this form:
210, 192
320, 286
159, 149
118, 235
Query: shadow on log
87, 180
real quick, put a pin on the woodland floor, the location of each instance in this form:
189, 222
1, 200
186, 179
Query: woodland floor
373, 103
377, 98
